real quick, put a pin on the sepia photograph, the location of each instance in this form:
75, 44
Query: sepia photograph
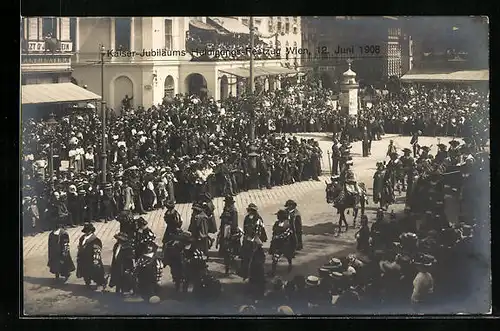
255, 166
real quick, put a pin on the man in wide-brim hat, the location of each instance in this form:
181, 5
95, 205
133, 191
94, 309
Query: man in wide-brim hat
143, 236
89, 262
228, 240
199, 227
296, 223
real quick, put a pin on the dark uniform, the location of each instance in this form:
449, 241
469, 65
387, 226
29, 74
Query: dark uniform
408, 164
89, 261
173, 220
283, 242
253, 231
60, 262
228, 239
122, 264
199, 227
295, 222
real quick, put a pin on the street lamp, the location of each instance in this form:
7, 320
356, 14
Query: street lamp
104, 155
250, 108
51, 125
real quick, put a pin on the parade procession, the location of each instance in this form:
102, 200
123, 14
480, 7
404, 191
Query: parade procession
307, 197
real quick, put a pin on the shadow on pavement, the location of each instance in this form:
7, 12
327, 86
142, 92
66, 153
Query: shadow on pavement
320, 229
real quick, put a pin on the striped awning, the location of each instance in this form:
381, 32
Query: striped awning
455, 76
231, 24
55, 93
244, 72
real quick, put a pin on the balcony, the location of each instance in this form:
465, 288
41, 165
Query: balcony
48, 46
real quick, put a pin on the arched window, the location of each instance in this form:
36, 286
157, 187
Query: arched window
169, 87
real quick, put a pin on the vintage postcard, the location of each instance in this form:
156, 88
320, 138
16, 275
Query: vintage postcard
250, 165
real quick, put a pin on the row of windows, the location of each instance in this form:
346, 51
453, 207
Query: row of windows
123, 28
278, 44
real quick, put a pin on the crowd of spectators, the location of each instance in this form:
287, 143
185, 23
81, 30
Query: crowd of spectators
171, 151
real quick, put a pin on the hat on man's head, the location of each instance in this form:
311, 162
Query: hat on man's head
290, 203
312, 281
406, 150
282, 214
229, 198
197, 207
441, 146
150, 169
425, 148
141, 221
252, 206
170, 204
454, 143
424, 260
88, 228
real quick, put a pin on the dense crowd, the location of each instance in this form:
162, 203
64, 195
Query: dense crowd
228, 47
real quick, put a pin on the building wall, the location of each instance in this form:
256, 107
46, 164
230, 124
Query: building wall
44, 67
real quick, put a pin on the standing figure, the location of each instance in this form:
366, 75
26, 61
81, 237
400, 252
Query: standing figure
257, 259
199, 228
174, 255
173, 221
89, 261
122, 264
283, 242
391, 149
228, 239
414, 143
127, 223
143, 237
148, 272
335, 157
60, 262
253, 226
295, 222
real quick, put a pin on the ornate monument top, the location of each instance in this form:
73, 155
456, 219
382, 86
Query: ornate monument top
349, 72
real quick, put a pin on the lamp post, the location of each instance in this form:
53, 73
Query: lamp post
104, 154
251, 108
51, 125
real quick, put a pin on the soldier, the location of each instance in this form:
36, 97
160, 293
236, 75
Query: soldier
253, 226
173, 221
335, 157
148, 272
199, 227
408, 164
228, 239
89, 261
414, 143
60, 262
283, 241
295, 222
122, 264
394, 168
143, 236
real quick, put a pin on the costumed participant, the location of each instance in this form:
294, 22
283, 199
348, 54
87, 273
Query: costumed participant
89, 261
228, 239
252, 222
282, 243
295, 222
60, 262
148, 273
173, 221
143, 237
174, 255
199, 228
122, 264
127, 223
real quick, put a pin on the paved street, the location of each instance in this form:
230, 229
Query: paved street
41, 296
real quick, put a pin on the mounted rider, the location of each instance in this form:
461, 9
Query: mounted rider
348, 180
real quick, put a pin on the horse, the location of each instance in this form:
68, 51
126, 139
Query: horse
383, 192
337, 194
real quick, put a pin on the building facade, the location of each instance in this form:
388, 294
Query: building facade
147, 58
46, 50
375, 44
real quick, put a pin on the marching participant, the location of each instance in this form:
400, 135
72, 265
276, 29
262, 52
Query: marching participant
253, 227
283, 242
172, 220
143, 236
228, 239
89, 261
149, 272
199, 228
60, 262
295, 222
122, 264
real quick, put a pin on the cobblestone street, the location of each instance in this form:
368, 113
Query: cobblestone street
41, 296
